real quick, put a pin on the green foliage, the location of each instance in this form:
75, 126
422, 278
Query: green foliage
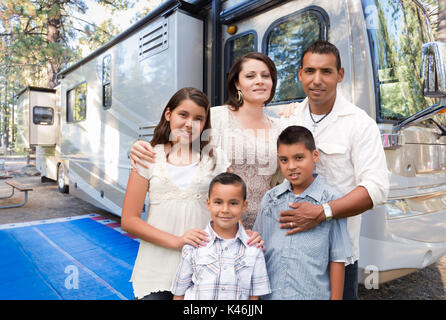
38, 38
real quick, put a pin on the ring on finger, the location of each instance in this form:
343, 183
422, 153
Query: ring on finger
291, 225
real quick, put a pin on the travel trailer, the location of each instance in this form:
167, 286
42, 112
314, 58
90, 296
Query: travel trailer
393, 70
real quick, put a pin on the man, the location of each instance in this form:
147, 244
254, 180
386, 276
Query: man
351, 155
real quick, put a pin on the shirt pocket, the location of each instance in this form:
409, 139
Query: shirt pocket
207, 269
244, 268
333, 157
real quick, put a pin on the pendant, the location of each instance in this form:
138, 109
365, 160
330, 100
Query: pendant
314, 126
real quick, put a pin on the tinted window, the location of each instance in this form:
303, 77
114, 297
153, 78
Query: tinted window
235, 47
77, 103
397, 31
285, 43
43, 115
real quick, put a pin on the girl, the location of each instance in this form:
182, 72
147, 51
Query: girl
240, 127
177, 183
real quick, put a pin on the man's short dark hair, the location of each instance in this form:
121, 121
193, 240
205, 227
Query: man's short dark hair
228, 178
323, 47
297, 134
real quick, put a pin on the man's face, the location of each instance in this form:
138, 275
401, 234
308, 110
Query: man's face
320, 77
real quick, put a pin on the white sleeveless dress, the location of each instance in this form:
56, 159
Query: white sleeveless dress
175, 211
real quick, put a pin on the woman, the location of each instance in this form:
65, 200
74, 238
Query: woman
241, 129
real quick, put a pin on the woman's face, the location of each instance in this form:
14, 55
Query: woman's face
186, 121
254, 81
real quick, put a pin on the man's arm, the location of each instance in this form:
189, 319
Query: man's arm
337, 274
355, 202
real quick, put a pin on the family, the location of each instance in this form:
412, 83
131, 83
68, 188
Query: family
244, 206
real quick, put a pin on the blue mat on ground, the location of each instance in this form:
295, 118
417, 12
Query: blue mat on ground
81, 259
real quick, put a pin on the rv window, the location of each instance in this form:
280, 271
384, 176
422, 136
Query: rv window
237, 46
77, 103
284, 44
397, 31
43, 115
106, 82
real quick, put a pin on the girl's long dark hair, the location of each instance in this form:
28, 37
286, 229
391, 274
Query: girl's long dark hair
162, 131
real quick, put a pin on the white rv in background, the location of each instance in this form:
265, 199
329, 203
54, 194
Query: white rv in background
116, 95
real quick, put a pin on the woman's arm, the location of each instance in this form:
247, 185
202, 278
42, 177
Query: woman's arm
337, 274
132, 223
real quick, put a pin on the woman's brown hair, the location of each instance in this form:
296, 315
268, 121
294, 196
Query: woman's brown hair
233, 77
162, 131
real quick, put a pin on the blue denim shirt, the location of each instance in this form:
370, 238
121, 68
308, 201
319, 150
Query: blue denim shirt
298, 264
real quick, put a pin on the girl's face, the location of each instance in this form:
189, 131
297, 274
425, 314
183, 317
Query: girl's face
254, 81
186, 121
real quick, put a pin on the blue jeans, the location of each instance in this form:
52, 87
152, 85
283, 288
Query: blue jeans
351, 282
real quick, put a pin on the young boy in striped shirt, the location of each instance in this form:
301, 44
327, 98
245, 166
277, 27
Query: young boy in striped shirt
227, 268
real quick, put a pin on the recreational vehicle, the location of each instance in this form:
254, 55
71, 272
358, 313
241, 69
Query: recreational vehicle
393, 71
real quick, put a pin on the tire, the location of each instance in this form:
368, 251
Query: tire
61, 179
44, 179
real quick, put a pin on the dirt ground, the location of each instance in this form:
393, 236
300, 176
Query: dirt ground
46, 202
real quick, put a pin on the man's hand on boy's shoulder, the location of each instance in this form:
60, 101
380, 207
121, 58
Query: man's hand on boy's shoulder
304, 216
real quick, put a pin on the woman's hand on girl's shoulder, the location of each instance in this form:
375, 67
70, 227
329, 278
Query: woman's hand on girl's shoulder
141, 150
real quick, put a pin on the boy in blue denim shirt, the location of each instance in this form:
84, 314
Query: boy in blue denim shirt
310, 264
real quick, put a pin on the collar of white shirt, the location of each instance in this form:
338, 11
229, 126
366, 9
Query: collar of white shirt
341, 107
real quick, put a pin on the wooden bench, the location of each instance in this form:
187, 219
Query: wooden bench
16, 185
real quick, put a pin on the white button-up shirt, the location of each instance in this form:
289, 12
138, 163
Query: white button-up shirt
350, 153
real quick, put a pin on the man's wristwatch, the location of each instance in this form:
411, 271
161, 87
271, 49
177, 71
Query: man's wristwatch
327, 211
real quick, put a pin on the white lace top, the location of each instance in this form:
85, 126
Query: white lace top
175, 211
253, 157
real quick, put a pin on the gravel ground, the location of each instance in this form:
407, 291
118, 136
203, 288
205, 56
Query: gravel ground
46, 202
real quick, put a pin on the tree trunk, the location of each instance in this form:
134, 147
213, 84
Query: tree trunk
52, 66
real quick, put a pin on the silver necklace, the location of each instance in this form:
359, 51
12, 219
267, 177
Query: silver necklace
315, 123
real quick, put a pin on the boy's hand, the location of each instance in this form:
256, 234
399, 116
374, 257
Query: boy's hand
305, 216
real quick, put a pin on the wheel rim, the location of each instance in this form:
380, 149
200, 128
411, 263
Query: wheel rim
61, 178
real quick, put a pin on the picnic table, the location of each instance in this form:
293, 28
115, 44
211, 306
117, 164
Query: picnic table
15, 185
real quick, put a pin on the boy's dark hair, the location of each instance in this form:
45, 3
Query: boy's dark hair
297, 134
323, 47
228, 178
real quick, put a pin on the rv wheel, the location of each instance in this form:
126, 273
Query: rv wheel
61, 179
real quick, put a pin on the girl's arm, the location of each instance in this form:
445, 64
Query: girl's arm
178, 297
132, 223
337, 274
